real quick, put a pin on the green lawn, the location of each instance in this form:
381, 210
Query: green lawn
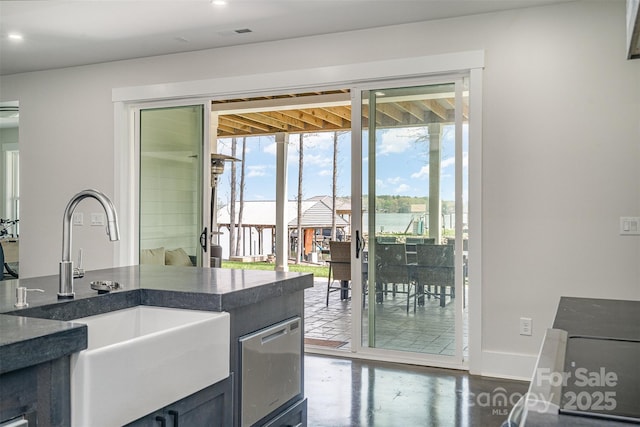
318, 271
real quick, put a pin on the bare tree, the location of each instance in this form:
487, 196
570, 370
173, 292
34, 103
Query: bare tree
232, 204
241, 201
300, 167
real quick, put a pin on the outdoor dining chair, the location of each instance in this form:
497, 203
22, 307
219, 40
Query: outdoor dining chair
391, 269
339, 269
435, 270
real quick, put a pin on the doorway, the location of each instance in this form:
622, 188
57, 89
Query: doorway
418, 210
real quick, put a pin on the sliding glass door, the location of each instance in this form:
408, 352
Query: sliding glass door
414, 226
172, 209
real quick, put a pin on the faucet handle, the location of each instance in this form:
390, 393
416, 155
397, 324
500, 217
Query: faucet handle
78, 271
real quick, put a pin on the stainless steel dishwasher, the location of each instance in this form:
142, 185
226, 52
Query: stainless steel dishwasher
271, 369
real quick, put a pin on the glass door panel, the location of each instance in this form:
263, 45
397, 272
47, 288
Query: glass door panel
171, 181
413, 162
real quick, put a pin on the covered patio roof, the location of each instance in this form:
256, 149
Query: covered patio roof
326, 111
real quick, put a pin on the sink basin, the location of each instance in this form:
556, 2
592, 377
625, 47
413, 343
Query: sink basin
143, 358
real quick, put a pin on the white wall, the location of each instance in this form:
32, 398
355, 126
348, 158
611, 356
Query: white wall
560, 156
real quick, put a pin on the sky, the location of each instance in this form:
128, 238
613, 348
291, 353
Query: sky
401, 166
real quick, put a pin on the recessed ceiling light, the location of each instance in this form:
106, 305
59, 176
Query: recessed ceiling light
15, 36
219, 2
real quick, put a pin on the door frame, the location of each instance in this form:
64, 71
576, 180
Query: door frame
299, 80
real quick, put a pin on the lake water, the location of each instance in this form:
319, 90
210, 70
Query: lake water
401, 222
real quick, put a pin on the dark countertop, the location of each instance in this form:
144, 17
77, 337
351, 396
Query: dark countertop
594, 321
52, 339
593, 317
27, 338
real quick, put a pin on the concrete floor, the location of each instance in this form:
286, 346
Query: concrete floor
343, 392
352, 392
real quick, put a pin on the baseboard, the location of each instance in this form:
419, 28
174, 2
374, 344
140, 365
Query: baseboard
513, 366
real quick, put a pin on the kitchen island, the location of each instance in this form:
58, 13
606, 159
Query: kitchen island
37, 341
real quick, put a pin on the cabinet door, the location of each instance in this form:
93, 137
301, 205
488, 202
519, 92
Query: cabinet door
155, 419
211, 406
210, 413
294, 416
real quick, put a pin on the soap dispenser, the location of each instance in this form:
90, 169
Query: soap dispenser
21, 296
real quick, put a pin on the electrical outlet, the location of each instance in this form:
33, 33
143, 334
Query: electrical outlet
526, 325
78, 218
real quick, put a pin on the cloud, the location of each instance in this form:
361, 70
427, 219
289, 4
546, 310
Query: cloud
317, 160
225, 149
325, 172
403, 188
423, 173
270, 149
256, 171
394, 184
451, 161
319, 141
393, 142
224, 146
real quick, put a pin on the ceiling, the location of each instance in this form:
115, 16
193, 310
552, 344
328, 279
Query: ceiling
64, 33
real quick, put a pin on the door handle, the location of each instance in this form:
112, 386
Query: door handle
175, 416
162, 421
203, 240
358, 244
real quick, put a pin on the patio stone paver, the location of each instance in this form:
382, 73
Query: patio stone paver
430, 329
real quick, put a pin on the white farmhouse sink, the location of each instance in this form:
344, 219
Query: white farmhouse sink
143, 358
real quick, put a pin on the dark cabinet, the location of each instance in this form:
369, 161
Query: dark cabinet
294, 416
211, 406
39, 393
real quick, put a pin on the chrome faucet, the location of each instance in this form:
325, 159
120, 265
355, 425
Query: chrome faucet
66, 265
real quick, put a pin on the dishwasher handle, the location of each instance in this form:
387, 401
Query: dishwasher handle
273, 336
